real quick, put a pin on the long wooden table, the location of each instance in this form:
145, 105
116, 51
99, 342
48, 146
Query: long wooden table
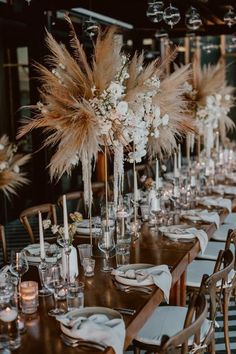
42, 335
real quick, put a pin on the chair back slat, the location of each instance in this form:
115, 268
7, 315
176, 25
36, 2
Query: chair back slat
28, 214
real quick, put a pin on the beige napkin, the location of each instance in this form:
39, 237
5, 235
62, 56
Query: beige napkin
160, 275
186, 233
221, 202
224, 189
98, 328
204, 215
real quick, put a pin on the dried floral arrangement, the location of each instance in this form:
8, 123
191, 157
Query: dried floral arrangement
76, 217
11, 176
114, 101
213, 98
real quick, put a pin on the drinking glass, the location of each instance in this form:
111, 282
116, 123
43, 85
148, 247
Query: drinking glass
55, 283
106, 244
19, 265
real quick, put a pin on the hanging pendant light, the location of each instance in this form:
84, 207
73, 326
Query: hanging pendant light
90, 27
171, 15
192, 19
230, 17
155, 11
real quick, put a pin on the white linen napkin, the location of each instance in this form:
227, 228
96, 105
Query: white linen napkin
224, 189
231, 176
98, 328
160, 275
188, 233
204, 215
221, 202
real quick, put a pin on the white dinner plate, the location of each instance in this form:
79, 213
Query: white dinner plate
87, 312
33, 253
174, 233
133, 282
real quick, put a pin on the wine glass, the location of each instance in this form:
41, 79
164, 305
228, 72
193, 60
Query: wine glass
19, 265
106, 244
55, 283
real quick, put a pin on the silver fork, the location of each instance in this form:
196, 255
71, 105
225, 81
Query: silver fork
72, 342
128, 288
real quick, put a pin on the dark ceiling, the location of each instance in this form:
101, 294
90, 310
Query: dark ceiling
130, 11
134, 12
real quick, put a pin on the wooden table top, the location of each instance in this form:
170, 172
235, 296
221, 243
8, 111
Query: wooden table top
42, 334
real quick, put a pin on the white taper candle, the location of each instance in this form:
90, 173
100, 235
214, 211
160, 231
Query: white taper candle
179, 157
41, 238
65, 219
157, 175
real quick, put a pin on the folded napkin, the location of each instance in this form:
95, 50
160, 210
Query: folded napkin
204, 215
51, 250
160, 275
221, 202
224, 189
34, 249
187, 233
98, 328
231, 176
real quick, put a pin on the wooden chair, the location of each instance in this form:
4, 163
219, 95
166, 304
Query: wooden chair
29, 218
178, 329
218, 286
3, 244
75, 201
170, 320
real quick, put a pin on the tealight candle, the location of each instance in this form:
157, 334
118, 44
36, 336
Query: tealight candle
29, 296
8, 314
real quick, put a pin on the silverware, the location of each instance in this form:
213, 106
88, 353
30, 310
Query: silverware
125, 311
128, 288
73, 342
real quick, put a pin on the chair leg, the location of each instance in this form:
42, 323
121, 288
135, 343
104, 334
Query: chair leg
226, 320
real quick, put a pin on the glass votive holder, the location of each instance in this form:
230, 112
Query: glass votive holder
122, 254
75, 295
145, 211
29, 296
88, 265
85, 251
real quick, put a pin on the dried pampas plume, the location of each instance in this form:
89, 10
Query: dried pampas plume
11, 177
211, 80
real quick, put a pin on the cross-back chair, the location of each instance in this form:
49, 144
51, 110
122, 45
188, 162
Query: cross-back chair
194, 320
3, 244
176, 329
218, 286
170, 320
29, 218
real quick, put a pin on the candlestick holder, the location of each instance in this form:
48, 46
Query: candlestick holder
66, 244
42, 268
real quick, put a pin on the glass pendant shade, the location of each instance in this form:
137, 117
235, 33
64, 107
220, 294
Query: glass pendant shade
192, 19
90, 27
171, 15
155, 11
230, 18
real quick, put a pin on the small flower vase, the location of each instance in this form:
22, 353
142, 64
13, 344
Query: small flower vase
73, 263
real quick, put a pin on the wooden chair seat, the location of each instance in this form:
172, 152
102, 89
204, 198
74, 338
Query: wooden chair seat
173, 328
29, 218
219, 285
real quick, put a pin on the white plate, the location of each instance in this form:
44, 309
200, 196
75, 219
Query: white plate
87, 312
134, 282
35, 256
86, 231
192, 217
171, 233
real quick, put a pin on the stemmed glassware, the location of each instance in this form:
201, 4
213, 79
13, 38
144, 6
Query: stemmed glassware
19, 265
54, 282
106, 244
66, 244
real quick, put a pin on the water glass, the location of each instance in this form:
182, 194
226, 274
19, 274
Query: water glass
85, 251
144, 211
75, 295
122, 254
88, 265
